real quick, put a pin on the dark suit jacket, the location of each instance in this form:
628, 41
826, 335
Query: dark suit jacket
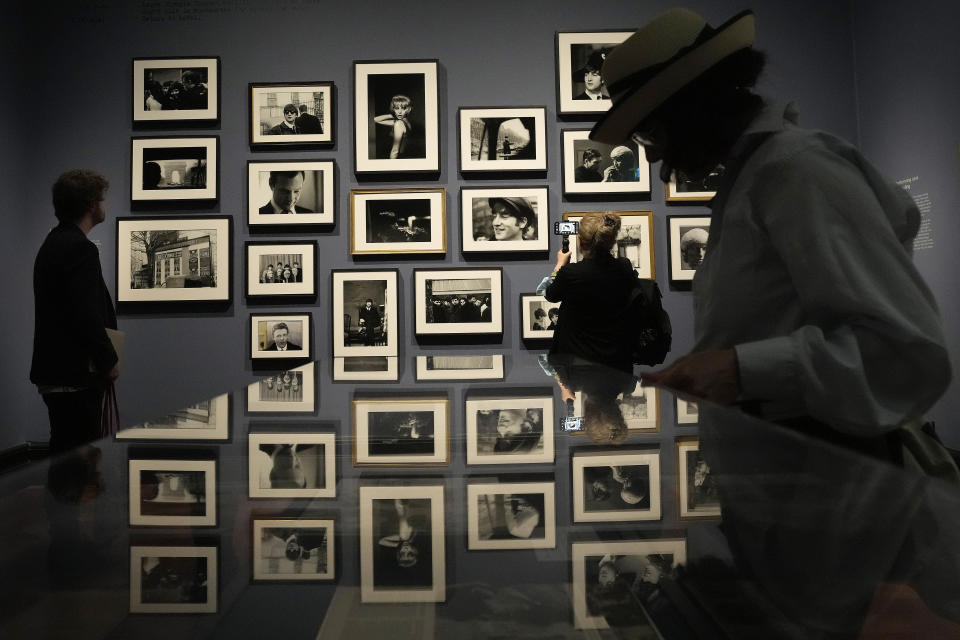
267, 209
290, 346
308, 123
72, 310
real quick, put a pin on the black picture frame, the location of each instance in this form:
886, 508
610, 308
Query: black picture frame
163, 110
266, 102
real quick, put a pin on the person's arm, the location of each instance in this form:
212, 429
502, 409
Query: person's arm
386, 119
84, 286
554, 290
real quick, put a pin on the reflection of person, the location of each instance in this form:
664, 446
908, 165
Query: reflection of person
517, 432
513, 219
287, 126
587, 172
286, 187
506, 516
623, 167
589, 75
398, 120
693, 247
280, 342
284, 469
306, 122
369, 321
404, 555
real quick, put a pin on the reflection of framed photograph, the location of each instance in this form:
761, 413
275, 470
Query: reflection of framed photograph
291, 193
458, 301
176, 90
370, 368
495, 219
580, 55
300, 550
610, 578
634, 240
169, 493
401, 431
278, 337
291, 114
616, 486
396, 116
173, 259
293, 465
290, 391
640, 408
511, 515
173, 169
597, 168
687, 242
173, 579
281, 268
509, 430
682, 188
205, 420
696, 487
364, 307
384, 221
687, 412
460, 367
503, 139
402, 555
538, 317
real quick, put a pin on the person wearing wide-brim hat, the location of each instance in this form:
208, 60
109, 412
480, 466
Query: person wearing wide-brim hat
513, 219
589, 74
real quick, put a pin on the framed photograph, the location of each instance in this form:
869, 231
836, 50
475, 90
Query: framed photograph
293, 465
580, 55
402, 555
634, 240
538, 317
496, 219
683, 188
180, 169
687, 242
610, 579
640, 409
460, 367
503, 139
171, 493
687, 412
511, 515
509, 430
173, 259
696, 487
281, 268
291, 114
596, 168
369, 368
291, 391
616, 486
401, 431
365, 310
396, 116
176, 90
173, 579
300, 550
281, 336
291, 193
458, 301
204, 420
385, 221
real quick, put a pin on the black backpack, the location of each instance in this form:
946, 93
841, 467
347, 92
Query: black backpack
646, 325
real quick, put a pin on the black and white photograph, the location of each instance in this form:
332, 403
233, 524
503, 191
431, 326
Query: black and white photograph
402, 555
176, 90
166, 493
391, 221
503, 139
173, 169
364, 308
615, 581
497, 219
367, 368
580, 56
298, 550
538, 317
460, 367
510, 430
595, 168
616, 486
640, 408
401, 431
204, 420
173, 259
682, 188
697, 490
511, 515
292, 465
634, 241
687, 412
281, 337
290, 391
458, 301
396, 116
277, 269
173, 579
687, 238
295, 115
291, 193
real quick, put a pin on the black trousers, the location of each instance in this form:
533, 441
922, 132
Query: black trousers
75, 418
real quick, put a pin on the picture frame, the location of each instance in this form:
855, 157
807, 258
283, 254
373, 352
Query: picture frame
685, 190
172, 493
697, 492
640, 409
529, 522
292, 465
174, 259
470, 286
261, 271
366, 368
402, 552
351, 291
174, 169
401, 431
459, 367
574, 50
293, 550
176, 90
205, 420
687, 411
307, 188
279, 336
504, 220
621, 485
398, 221
503, 139
197, 590
527, 425
636, 232
380, 145
290, 391
593, 168
538, 317
687, 241
313, 108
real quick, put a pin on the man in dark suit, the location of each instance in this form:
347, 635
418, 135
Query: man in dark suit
73, 358
286, 187
287, 126
280, 342
369, 321
307, 122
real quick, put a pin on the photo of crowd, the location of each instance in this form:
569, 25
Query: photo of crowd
171, 89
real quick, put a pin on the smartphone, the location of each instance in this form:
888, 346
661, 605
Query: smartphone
572, 423
568, 227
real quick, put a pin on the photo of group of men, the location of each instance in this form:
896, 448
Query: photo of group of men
168, 89
599, 162
281, 268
